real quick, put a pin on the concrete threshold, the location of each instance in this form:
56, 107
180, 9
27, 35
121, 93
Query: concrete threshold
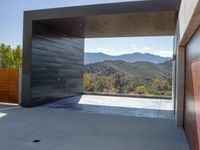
127, 95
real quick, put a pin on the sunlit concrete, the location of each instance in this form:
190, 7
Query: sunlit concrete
60, 129
129, 106
2, 114
6, 106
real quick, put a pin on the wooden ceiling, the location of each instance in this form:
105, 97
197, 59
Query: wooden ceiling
135, 24
117, 25
125, 19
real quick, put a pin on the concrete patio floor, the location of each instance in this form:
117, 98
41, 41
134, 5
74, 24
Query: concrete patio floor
129, 106
60, 129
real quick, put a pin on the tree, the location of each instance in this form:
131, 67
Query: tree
17, 57
140, 90
11, 58
88, 84
94, 83
7, 57
119, 82
132, 83
100, 84
161, 86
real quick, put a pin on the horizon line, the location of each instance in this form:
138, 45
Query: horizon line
129, 53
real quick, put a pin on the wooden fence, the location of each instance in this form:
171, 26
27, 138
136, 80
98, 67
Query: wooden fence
9, 85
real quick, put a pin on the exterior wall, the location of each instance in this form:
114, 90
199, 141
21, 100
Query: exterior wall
192, 91
26, 61
187, 24
187, 70
9, 85
180, 77
185, 14
57, 63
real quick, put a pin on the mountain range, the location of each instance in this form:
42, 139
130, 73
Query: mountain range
144, 71
134, 57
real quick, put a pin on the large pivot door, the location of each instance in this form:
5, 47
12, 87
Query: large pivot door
192, 91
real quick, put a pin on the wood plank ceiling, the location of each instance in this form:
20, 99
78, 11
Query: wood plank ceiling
117, 25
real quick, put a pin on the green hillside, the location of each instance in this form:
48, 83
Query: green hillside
130, 75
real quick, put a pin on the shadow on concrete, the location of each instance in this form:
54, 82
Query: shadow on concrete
59, 128
73, 104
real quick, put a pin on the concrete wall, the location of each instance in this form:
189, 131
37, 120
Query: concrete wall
185, 14
187, 70
187, 24
179, 77
180, 85
57, 63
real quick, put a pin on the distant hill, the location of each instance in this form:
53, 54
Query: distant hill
144, 71
134, 57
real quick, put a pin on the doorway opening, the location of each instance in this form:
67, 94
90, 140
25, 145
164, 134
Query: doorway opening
126, 76
130, 66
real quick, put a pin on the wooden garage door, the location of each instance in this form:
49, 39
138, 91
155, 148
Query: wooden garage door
192, 92
9, 85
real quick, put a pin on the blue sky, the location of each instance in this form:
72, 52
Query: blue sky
11, 16
158, 45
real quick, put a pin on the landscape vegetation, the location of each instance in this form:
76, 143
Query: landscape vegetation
132, 74
10, 57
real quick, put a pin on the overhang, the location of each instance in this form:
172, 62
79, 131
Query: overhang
137, 18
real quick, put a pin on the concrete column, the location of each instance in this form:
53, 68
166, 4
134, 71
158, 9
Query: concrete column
180, 85
174, 75
26, 61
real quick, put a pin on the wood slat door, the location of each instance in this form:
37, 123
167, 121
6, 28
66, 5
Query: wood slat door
4, 85
9, 85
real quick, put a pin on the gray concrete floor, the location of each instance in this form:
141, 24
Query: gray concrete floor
129, 106
61, 129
